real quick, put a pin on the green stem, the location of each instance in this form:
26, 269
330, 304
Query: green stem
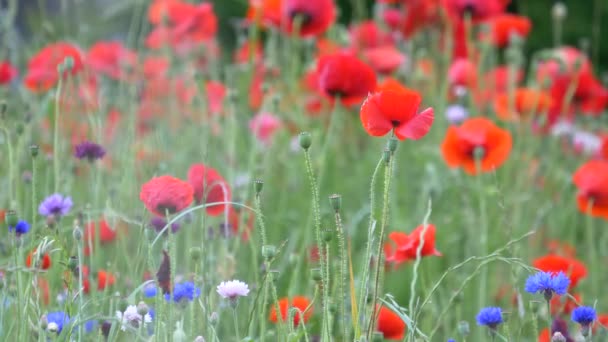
236, 324
379, 254
342, 280
56, 135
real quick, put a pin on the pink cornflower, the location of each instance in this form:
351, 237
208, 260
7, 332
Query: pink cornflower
232, 289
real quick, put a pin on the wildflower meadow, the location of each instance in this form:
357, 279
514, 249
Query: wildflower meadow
394, 170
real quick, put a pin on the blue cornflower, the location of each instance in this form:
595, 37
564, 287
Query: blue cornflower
20, 228
57, 320
184, 291
548, 283
584, 315
491, 316
89, 326
55, 205
451, 340
150, 291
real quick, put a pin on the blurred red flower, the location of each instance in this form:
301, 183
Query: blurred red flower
299, 302
315, 16
209, 187
528, 102
477, 138
42, 69
7, 72
574, 269
166, 194
591, 179
344, 76
396, 110
505, 25
112, 59
390, 324
407, 244
44, 261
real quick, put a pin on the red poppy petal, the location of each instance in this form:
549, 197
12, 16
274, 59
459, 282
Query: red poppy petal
372, 118
417, 127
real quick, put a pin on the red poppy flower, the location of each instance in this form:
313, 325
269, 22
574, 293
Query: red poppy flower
265, 12
106, 234
299, 302
216, 92
604, 148
42, 69
112, 59
7, 72
209, 187
315, 16
504, 25
545, 336
419, 14
407, 245
43, 290
166, 194
601, 322
104, 279
384, 59
344, 76
390, 324
591, 179
528, 102
159, 9
462, 72
368, 34
44, 261
478, 10
561, 248
247, 52
476, 138
236, 216
574, 269
263, 126
155, 67
396, 110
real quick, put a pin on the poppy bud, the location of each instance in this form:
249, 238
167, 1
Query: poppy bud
386, 156
44, 323
77, 234
305, 140
391, 145
67, 65
558, 337
213, 318
73, 264
34, 149
142, 308
269, 251
195, 253
123, 305
559, 11
327, 235
315, 273
11, 218
463, 328
258, 185
336, 202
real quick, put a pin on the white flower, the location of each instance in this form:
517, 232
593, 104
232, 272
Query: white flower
132, 317
232, 289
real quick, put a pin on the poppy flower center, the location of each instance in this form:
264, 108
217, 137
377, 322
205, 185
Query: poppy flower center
304, 18
336, 92
469, 10
166, 208
395, 123
477, 152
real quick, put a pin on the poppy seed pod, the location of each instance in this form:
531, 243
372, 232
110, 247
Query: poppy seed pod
269, 251
327, 235
142, 308
77, 234
258, 185
391, 145
315, 273
195, 253
336, 202
305, 140
34, 149
11, 218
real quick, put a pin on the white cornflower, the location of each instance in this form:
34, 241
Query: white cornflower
132, 317
232, 289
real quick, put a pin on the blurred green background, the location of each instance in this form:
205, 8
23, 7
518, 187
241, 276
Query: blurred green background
103, 19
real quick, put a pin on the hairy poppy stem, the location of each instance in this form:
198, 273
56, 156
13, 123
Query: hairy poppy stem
368, 249
483, 236
322, 258
379, 255
342, 278
56, 134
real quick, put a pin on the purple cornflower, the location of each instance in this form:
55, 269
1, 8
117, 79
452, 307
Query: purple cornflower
456, 114
55, 205
491, 317
548, 283
20, 228
89, 150
56, 321
158, 223
233, 289
185, 291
